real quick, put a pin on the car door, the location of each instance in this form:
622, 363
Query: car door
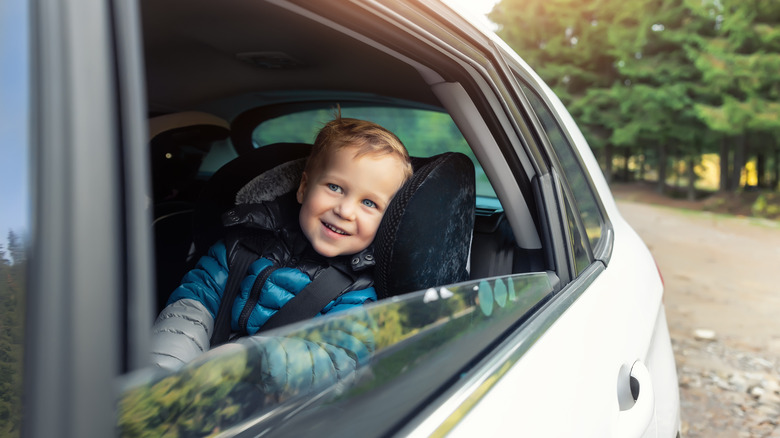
602, 324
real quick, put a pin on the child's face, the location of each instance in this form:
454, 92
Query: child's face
343, 202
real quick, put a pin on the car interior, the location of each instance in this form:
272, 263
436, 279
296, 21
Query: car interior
236, 88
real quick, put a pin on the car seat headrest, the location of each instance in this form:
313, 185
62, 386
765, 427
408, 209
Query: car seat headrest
425, 234
219, 193
273, 183
179, 143
188, 119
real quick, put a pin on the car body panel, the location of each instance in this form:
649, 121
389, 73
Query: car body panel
576, 376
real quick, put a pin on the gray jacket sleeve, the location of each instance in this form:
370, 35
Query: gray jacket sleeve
181, 333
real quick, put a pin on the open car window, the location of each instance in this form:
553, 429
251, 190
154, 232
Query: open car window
425, 133
422, 344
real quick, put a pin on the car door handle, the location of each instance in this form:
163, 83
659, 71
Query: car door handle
636, 400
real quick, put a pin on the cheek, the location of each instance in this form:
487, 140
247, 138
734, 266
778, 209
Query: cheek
371, 224
308, 211
317, 203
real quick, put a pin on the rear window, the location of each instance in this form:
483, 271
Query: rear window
424, 132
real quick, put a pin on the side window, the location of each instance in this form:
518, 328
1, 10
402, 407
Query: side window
584, 199
424, 133
407, 348
14, 207
577, 240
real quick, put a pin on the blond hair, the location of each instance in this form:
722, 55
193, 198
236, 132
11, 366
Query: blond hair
366, 137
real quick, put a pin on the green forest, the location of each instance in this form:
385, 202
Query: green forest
12, 287
681, 92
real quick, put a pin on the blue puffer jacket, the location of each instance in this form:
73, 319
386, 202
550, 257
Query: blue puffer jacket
206, 283
184, 327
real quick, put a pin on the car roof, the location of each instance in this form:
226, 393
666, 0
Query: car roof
229, 56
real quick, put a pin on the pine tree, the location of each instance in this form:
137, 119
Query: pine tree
740, 63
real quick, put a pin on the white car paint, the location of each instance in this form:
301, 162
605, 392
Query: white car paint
616, 322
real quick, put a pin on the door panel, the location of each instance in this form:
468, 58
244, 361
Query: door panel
567, 383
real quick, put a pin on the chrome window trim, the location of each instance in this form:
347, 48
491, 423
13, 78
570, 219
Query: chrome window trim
602, 251
441, 418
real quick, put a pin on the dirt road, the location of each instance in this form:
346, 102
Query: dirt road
722, 277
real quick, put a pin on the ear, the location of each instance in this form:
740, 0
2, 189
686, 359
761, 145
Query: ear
301, 189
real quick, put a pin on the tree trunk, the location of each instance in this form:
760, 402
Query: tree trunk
661, 168
691, 179
724, 165
761, 169
608, 162
677, 171
739, 162
776, 184
642, 160
626, 159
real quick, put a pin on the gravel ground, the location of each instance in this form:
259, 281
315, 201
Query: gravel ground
723, 304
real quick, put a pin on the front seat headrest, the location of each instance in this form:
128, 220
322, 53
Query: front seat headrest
425, 235
178, 144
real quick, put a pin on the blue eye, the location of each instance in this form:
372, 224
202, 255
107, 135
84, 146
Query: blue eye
369, 203
334, 188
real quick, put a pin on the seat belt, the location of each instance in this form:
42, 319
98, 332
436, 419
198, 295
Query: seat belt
325, 287
237, 271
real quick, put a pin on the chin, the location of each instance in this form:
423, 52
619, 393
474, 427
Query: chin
328, 252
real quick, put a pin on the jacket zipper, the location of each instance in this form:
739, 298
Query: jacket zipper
254, 296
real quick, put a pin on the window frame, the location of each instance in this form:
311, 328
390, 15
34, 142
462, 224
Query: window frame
510, 130
521, 79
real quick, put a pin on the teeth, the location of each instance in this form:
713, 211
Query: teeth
335, 230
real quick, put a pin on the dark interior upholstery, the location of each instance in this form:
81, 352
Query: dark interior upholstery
178, 145
494, 249
425, 235
172, 242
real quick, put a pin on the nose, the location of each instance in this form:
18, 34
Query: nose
346, 209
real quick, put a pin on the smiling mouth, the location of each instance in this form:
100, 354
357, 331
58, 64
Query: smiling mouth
335, 230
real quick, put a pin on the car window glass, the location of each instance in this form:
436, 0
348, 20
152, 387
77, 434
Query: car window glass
577, 241
14, 207
580, 187
418, 344
424, 133
220, 152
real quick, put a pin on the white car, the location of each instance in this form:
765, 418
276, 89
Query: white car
123, 114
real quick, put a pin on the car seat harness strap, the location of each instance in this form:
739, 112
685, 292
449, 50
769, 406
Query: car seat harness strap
239, 265
329, 284
326, 286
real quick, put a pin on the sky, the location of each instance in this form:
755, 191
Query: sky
14, 193
476, 8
